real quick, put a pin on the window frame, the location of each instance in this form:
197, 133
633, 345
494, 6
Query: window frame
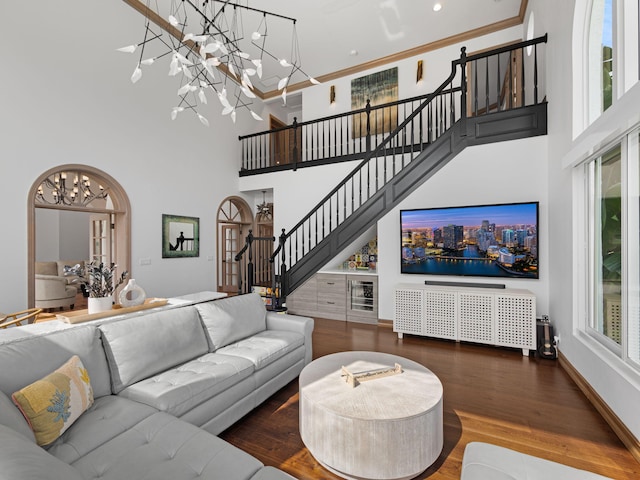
629, 143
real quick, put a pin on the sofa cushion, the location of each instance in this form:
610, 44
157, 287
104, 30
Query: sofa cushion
140, 347
180, 389
23, 459
13, 418
36, 355
234, 318
161, 447
108, 417
265, 347
51, 405
483, 460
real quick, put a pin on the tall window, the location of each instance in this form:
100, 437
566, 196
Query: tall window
601, 58
613, 219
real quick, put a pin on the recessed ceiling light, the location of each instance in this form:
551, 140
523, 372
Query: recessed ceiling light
353, 53
437, 7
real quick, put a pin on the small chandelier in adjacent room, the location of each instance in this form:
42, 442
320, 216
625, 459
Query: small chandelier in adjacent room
216, 48
73, 188
264, 211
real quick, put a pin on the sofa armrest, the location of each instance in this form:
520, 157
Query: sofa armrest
294, 323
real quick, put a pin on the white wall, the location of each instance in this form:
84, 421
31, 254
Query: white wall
47, 235
496, 173
61, 235
74, 236
70, 100
295, 193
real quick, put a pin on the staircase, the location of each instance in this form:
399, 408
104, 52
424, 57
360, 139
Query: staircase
489, 97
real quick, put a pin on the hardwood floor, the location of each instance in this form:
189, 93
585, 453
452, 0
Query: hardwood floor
492, 395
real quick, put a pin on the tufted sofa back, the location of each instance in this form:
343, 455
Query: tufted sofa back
140, 347
27, 359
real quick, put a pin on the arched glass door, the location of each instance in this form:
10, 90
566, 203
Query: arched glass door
234, 220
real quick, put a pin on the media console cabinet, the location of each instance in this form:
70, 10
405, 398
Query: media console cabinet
501, 317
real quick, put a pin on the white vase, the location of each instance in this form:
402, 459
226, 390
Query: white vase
132, 294
99, 304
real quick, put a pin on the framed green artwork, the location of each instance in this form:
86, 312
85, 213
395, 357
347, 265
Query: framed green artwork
180, 236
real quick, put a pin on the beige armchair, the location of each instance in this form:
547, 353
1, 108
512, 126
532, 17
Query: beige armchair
56, 268
53, 292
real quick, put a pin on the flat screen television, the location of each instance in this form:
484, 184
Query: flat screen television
498, 240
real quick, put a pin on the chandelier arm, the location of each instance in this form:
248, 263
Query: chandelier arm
155, 18
144, 41
210, 22
264, 12
221, 10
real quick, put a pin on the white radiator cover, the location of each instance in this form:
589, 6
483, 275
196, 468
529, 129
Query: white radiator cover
502, 317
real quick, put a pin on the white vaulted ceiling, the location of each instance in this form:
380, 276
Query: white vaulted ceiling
341, 37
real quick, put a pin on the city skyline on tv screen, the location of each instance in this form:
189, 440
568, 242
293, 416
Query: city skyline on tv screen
484, 240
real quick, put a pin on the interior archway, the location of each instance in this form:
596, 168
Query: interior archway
233, 221
110, 199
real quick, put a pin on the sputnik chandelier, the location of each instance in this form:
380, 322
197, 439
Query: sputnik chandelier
206, 47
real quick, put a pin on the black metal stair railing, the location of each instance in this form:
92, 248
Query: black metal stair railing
342, 137
255, 249
488, 97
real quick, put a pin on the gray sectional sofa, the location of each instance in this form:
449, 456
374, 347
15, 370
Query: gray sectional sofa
164, 384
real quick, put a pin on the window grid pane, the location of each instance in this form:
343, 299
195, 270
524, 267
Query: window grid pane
608, 245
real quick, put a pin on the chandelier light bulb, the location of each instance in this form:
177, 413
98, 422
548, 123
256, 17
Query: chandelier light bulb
202, 96
283, 83
137, 74
127, 49
175, 111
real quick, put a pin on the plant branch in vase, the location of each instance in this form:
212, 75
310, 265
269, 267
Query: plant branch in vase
101, 282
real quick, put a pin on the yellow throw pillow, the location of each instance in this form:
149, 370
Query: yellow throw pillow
52, 404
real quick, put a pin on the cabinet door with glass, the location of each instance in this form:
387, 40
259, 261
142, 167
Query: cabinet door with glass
362, 298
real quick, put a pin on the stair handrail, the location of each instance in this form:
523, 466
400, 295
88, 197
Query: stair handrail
344, 114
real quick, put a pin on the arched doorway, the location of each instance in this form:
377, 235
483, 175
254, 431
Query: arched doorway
81, 188
233, 222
